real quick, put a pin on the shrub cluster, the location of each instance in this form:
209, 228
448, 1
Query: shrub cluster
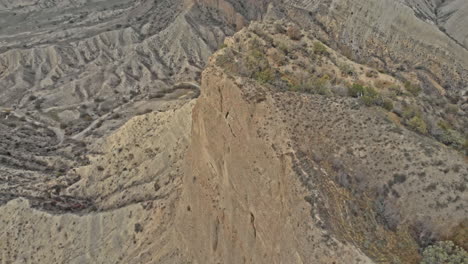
368, 95
320, 49
356, 90
418, 124
412, 117
264, 76
346, 69
444, 252
412, 88
314, 85
450, 136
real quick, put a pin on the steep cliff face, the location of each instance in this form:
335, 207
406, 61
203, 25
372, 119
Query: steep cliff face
242, 199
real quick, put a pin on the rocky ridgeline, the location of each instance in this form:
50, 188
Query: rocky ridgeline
270, 145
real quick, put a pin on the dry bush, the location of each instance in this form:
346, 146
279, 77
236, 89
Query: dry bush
372, 74
320, 49
294, 33
412, 88
279, 28
277, 57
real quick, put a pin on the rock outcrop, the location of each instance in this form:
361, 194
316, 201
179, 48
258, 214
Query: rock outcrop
274, 176
242, 200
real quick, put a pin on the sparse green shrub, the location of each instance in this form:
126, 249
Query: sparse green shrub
412, 88
387, 104
294, 87
356, 90
313, 85
339, 90
322, 85
320, 49
279, 28
86, 117
444, 125
257, 64
372, 74
323, 90
460, 232
256, 54
395, 90
410, 112
133, 93
444, 252
346, 69
316, 85
265, 76
452, 138
226, 60
398, 178
306, 86
449, 136
367, 100
259, 31
368, 96
284, 48
278, 57
222, 46
418, 124
465, 145
370, 91
452, 108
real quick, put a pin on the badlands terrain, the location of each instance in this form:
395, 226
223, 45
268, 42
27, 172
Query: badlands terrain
234, 131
